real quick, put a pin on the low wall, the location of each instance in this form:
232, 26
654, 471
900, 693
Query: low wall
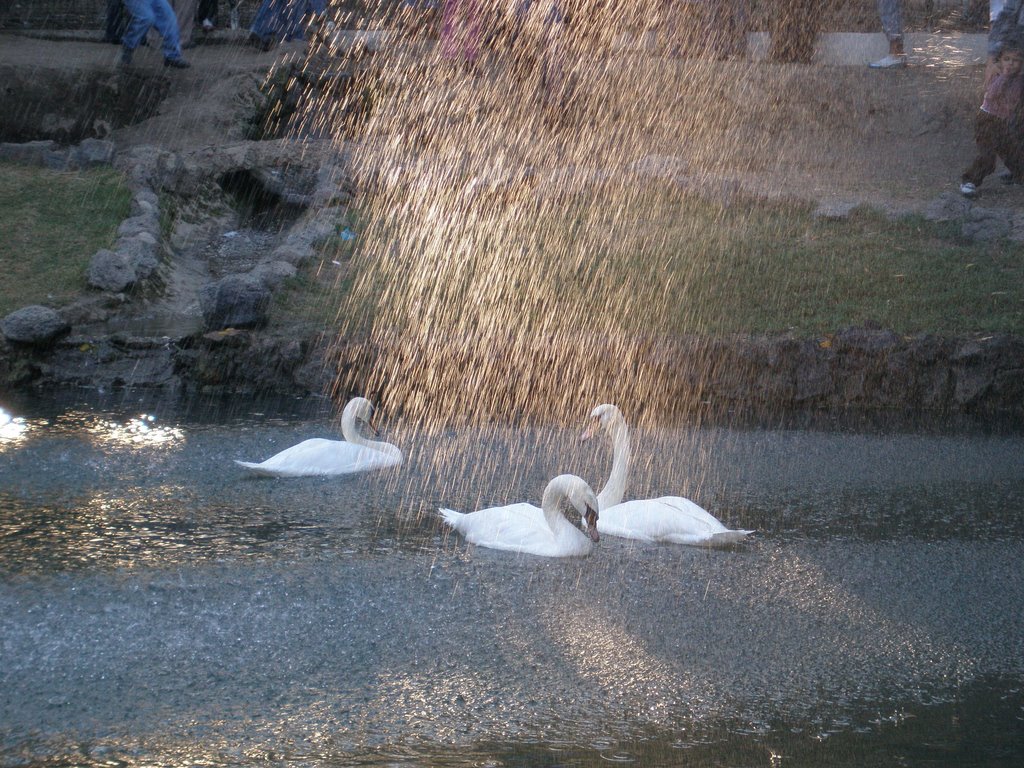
69, 105
951, 49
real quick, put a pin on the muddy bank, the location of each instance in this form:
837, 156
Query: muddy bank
858, 368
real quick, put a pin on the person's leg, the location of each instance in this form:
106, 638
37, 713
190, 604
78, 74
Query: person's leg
735, 25
115, 22
1011, 149
449, 21
166, 24
300, 14
986, 136
891, 14
141, 19
185, 10
206, 12
266, 25
473, 31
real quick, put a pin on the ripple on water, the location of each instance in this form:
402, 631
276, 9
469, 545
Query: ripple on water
168, 600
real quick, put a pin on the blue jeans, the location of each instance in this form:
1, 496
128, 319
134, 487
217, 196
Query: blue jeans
278, 20
152, 13
891, 13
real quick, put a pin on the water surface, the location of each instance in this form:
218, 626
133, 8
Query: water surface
157, 605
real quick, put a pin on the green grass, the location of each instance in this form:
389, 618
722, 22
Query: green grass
773, 269
658, 263
665, 264
51, 223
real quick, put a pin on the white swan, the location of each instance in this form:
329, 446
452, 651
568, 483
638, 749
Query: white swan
525, 528
333, 457
669, 518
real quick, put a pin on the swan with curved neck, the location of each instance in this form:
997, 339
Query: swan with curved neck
668, 518
525, 528
320, 457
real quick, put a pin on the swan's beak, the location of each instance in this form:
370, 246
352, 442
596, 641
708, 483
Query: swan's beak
590, 431
371, 429
590, 516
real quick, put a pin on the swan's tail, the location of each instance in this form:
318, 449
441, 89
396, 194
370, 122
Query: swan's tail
451, 517
254, 468
725, 538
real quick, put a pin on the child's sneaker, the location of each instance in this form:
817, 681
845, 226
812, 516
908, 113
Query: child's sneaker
892, 61
967, 189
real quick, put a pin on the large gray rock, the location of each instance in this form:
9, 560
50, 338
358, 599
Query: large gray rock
94, 152
143, 222
27, 153
949, 206
142, 252
987, 224
293, 253
334, 186
235, 301
272, 274
34, 324
145, 203
111, 271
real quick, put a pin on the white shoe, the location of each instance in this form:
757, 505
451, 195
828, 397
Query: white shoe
207, 25
892, 61
967, 189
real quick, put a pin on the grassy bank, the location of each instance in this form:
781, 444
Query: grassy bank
684, 265
775, 269
50, 225
668, 264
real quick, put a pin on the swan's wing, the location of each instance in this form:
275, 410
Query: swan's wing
704, 529
371, 458
692, 515
669, 518
629, 520
316, 456
512, 528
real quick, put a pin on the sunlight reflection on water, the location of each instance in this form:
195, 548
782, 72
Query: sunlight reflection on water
155, 601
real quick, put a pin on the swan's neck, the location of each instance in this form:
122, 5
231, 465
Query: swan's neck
350, 430
563, 529
615, 488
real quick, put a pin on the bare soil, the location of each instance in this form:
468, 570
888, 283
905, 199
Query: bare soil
893, 138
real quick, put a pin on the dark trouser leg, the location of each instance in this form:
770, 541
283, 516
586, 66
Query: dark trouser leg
1011, 150
988, 130
116, 22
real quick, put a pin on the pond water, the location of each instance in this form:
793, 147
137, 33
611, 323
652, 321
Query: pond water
158, 606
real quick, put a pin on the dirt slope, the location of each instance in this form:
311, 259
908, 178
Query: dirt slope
822, 132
